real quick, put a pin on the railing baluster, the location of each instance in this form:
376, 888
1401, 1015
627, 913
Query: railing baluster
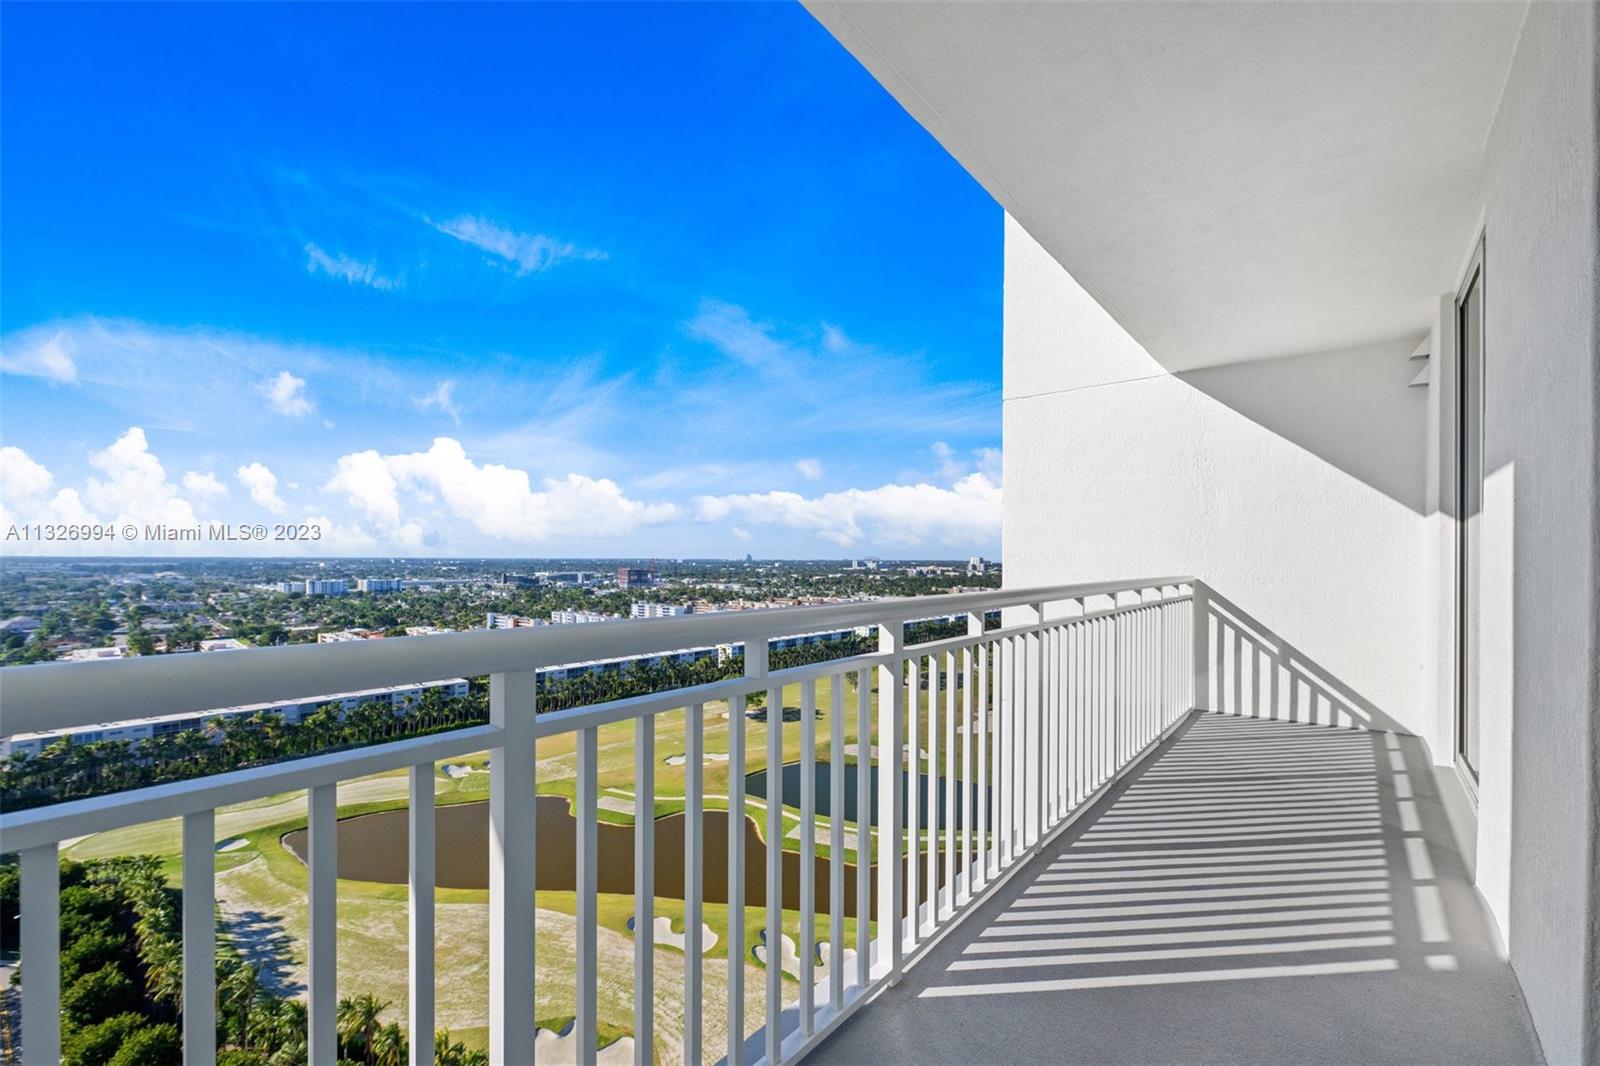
693, 880
736, 858
774, 1012
512, 849
932, 794
322, 868
864, 822
40, 904
985, 779
644, 889
200, 938
420, 890
913, 793
808, 852
1002, 760
585, 1030
891, 845
836, 823
947, 784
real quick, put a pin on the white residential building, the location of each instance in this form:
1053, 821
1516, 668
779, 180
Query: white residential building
326, 587
575, 617
503, 620
660, 610
380, 584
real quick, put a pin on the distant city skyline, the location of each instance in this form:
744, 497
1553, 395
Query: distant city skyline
556, 280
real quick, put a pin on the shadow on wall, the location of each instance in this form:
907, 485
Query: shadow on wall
1351, 408
1255, 673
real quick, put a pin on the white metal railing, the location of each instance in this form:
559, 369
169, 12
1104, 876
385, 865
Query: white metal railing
1022, 726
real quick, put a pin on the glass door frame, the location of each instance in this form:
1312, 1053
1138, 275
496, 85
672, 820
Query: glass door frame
1469, 417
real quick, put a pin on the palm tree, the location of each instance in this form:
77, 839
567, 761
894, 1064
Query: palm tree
389, 1046
358, 1019
238, 991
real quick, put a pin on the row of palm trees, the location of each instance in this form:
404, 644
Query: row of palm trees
75, 770
122, 982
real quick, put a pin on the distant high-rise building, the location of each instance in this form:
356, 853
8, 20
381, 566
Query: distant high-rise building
326, 587
380, 584
635, 577
977, 566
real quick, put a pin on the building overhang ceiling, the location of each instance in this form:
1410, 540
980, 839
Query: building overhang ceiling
1229, 180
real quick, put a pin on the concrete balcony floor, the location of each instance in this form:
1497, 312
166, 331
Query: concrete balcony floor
1255, 892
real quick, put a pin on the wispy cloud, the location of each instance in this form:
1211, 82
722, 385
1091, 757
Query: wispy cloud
48, 356
286, 394
352, 270
442, 398
528, 252
810, 469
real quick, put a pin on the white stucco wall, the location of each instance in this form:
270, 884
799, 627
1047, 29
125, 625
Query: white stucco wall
1315, 493
1294, 486
1539, 862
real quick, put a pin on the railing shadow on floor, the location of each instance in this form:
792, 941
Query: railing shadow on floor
1256, 673
1257, 891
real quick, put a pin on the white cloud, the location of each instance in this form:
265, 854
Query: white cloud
810, 469
365, 478
286, 394
530, 252
263, 486
204, 485
133, 486
354, 271
25, 494
443, 398
48, 357
499, 501
966, 513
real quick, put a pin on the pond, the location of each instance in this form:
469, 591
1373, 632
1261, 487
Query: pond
372, 847
756, 785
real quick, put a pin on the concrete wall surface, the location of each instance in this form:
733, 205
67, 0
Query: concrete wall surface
1539, 800
1293, 486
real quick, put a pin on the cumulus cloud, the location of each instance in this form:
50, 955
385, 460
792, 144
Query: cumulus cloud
133, 485
354, 271
528, 252
810, 469
365, 478
286, 394
26, 496
499, 501
204, 485
49, 357
262, 485
963, 514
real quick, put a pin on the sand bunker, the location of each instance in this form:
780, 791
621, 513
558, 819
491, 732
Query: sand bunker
710, 756
553, 1047
664, 934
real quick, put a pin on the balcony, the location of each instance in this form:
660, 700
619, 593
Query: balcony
1081, 868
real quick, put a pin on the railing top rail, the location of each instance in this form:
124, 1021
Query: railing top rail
66, 695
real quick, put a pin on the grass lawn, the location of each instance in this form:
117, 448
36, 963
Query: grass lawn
262, 888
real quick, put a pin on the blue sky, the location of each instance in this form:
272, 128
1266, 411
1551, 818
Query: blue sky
509, 280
